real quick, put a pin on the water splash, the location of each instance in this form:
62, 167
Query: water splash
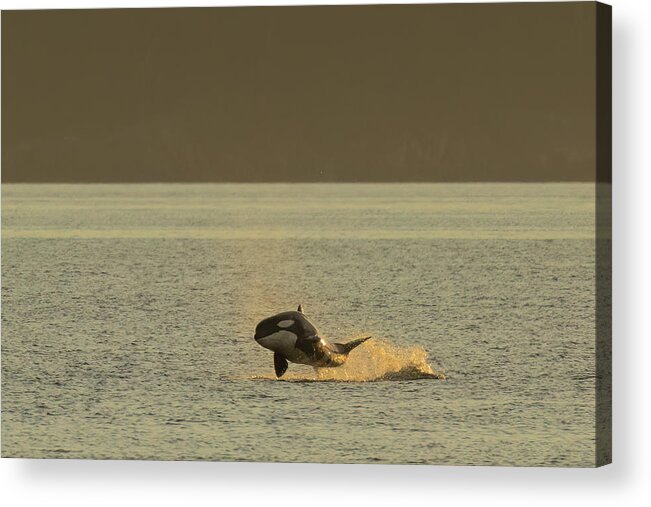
374, 361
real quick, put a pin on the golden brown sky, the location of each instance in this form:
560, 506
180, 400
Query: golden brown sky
459, 92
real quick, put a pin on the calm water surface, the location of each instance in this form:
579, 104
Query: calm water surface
128, 313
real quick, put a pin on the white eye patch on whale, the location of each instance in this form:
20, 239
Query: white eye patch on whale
292, 337
289, 321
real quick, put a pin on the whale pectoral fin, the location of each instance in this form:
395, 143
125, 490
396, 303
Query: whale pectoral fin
280, 364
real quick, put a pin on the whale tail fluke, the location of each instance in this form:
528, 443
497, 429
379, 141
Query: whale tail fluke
345, 348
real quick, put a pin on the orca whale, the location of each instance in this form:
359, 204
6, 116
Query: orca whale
293, 338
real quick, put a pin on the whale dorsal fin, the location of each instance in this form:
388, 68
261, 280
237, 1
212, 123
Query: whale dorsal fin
280, 364
300, 309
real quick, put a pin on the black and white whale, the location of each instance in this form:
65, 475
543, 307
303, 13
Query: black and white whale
293, 338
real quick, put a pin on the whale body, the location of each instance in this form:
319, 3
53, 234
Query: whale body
292, 337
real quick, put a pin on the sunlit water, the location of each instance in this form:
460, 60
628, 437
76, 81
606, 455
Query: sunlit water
128, 314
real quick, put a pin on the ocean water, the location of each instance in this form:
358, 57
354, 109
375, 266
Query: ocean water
128, 314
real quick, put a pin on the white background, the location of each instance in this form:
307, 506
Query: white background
625, 482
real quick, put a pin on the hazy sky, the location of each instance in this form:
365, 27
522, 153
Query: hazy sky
366, 93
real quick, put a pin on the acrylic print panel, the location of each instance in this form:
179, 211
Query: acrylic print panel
176, 182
